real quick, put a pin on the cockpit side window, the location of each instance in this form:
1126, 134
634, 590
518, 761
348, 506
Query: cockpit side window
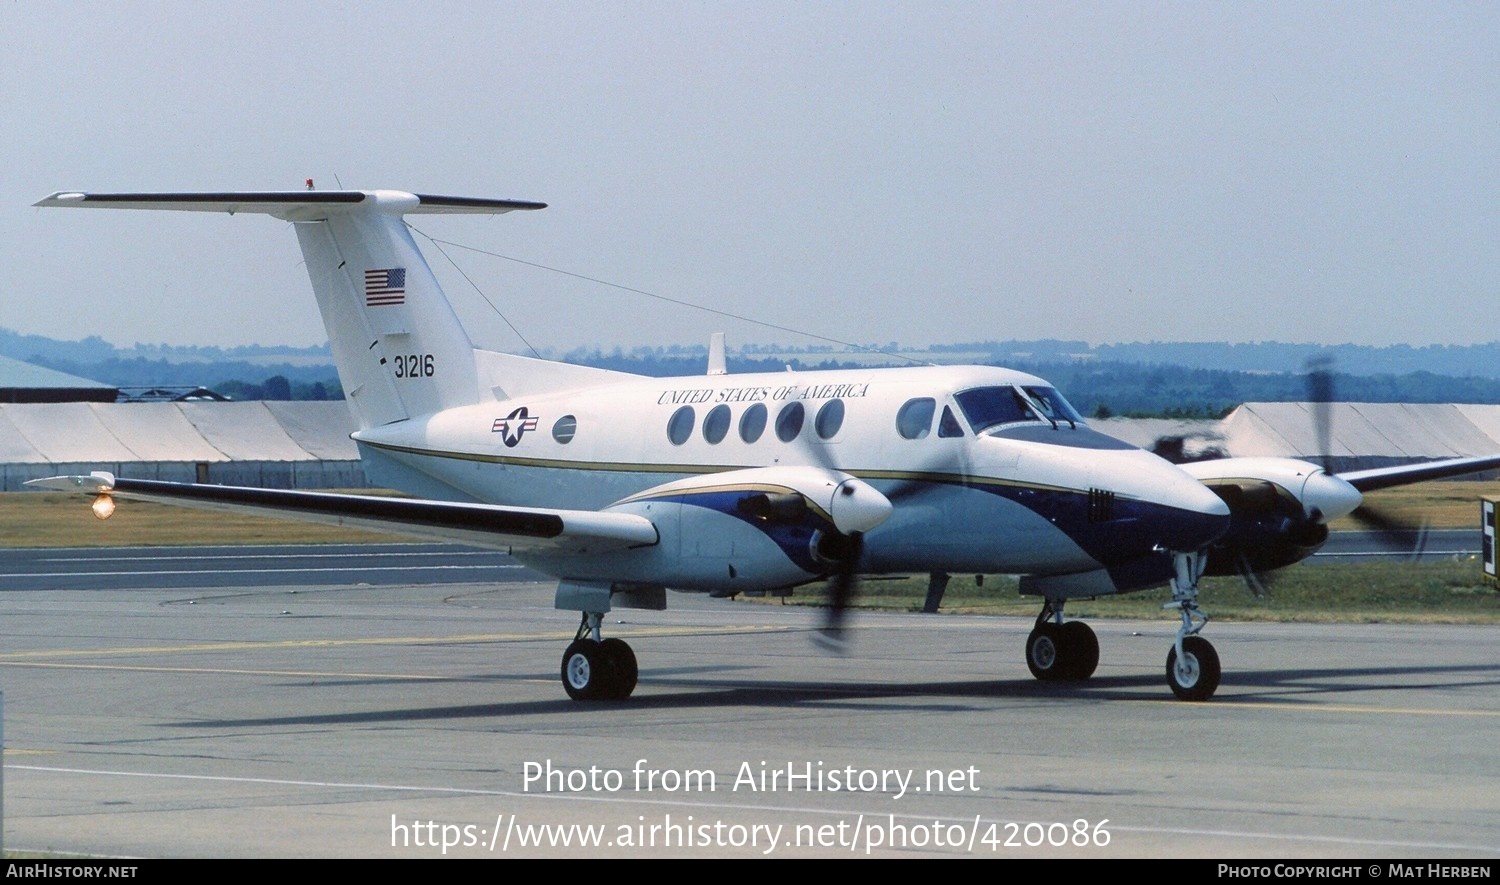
914, 420
949, 427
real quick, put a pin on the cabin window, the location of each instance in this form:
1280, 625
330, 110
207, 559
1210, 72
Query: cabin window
564, 429
789, 422
829, 419
753, 423
914, 421
681, 425
716, 424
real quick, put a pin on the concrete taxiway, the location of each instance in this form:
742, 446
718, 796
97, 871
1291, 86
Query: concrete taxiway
423, 721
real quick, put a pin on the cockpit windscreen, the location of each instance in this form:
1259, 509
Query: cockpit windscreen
987, 407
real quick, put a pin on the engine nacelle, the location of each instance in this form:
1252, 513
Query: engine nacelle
1279, 511
755, 529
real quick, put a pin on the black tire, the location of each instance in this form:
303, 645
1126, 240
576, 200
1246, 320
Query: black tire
1198, 678
584, 674
1047, 653
618, 661
1083, 649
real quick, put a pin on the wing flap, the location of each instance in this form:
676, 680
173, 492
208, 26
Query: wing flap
481, 525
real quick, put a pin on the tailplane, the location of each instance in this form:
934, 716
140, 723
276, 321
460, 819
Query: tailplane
400, 349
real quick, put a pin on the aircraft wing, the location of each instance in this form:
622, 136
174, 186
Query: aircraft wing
481, 525
1388, 477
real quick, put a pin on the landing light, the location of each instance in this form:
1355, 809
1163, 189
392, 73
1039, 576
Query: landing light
103, 506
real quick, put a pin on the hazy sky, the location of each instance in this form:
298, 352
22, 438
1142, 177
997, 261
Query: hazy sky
921, 172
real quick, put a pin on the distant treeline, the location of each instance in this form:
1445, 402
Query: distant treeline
278, 388
1123, 389
1157, 379
1132, 390
235, 379
1456, 360
94, 350
1477, 360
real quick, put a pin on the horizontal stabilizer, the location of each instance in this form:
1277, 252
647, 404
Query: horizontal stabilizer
380, 303
291, 205
482, 525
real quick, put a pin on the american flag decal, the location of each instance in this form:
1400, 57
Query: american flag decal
385, 287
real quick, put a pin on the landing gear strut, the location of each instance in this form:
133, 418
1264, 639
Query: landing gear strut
1060, 650
1192, 664
595, 669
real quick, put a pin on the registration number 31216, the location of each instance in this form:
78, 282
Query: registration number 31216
414, 365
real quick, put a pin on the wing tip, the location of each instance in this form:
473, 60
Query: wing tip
94, 483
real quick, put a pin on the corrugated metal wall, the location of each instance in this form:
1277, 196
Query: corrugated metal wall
266, 444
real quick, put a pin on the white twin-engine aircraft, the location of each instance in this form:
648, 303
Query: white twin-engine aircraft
624, 486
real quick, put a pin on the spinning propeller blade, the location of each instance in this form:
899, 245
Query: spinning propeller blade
1320, 395
842, 586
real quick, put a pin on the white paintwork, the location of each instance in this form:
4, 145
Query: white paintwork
1329, 495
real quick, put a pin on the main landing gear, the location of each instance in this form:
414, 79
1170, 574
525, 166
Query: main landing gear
1059, 650
595, 669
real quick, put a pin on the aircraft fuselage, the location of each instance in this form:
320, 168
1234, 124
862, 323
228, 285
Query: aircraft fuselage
988, 469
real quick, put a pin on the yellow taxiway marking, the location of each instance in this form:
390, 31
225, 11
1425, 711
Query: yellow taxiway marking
307, 674
1346, 708
18, 658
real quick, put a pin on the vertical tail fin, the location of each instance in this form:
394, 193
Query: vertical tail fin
399, 348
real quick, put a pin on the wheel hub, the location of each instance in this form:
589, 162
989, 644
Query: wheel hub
1044, 652
579, 671
1187, 670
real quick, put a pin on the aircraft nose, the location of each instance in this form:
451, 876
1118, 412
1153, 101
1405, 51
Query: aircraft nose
1199, 516
1329, 497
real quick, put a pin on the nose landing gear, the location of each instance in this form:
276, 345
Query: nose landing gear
1194, 674
1192, 664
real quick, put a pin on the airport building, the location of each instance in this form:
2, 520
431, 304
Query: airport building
22, 382
52, 424
279, 445
1361, 436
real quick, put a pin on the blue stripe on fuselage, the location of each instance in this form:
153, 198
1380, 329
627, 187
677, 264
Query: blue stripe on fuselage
793, 537
1134, 532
